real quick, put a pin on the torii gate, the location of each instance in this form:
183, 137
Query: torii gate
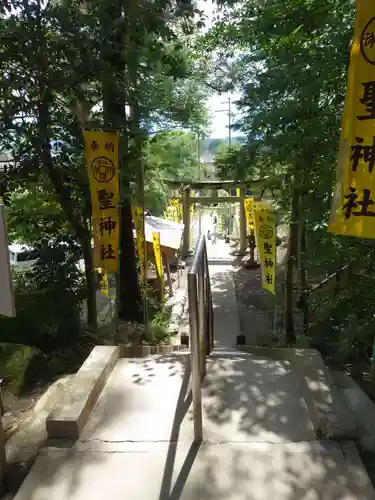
186, 186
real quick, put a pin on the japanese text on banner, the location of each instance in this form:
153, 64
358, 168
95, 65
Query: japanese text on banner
101, 153
353, 206
139, 223
265, 231
106, 233
159, 262
249, 209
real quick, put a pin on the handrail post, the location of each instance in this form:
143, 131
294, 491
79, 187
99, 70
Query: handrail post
187, 222
201, 328
202, 311
195, 356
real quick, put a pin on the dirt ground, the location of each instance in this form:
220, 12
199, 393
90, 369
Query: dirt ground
261, 314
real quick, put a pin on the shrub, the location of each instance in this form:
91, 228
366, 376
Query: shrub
48, 301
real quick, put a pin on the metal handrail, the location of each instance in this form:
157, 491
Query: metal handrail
201, 327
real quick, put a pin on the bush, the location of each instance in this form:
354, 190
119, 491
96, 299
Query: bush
48, 301
345, 324
14, 360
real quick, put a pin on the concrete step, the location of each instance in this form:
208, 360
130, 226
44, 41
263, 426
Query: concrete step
177, 471
245, 398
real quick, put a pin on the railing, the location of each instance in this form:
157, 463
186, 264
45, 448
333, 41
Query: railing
201, 328
329, 287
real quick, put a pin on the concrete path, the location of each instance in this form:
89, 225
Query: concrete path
149, 400
259, 443
241, 471
226, 317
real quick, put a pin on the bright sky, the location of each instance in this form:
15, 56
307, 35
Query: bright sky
218, 104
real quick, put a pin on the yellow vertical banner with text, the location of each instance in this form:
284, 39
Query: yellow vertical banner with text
180, 212
249, 212
139, 223
265, 233
159, 262
102, 157
174, 209
353, 204
167, 213
103, 282
220, 223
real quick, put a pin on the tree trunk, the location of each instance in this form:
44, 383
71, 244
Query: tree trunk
114, 102
290, 336
302, 273
91, 285
130, 302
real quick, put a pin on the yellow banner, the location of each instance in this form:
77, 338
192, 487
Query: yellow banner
173, 212
179, 212
159, 262
139, 223
167, 213
249, 212
353, 205
101, 154
103, 282
220, 224
105, 228
175, 209
265, 232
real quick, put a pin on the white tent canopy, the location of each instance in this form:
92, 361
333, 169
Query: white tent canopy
170, 232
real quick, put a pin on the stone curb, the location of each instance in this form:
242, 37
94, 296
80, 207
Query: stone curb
357, 469
362, 409
70, 416
142, 351
329, 414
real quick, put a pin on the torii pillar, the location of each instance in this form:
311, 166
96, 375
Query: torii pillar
186, 220
243, 232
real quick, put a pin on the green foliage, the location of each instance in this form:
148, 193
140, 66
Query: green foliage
344, 324
124, 65
289, 61
15, 359
33, 215
48, 301
170, 155
291, 70
159, 328
233, 163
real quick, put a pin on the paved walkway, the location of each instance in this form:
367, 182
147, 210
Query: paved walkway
259, 443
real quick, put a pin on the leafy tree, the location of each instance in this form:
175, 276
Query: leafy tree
170, 155
292, 73
78, 70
